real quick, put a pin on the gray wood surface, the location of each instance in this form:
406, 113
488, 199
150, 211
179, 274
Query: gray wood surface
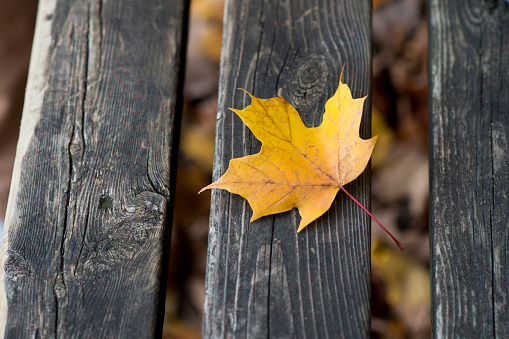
86, 244
263, 279
469, 97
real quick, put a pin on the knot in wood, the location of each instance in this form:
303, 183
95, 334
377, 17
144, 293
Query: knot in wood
492, 5
119, 244
139, 227
308, 84
16, 266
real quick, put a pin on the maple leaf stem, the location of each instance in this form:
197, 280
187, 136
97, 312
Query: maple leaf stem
400, 245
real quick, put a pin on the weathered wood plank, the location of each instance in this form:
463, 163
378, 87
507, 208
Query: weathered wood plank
469, 94
264, 279
85, 249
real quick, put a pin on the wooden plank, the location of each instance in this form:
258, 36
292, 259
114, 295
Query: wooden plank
469, 95
264, 279
85, 248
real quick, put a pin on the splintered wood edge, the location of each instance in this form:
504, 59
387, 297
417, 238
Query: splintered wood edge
35, 89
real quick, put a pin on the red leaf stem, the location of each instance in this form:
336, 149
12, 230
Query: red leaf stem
400, 245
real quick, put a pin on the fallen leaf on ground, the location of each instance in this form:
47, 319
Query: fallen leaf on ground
298, 166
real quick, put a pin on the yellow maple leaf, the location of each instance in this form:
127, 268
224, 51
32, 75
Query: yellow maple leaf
299, 167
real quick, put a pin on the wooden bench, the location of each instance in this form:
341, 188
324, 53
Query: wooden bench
85, 248
87, 232
469, 134
263, 279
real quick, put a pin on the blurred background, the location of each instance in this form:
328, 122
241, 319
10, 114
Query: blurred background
400, 282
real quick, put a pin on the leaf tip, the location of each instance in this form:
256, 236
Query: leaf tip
246, 92
302, 226
255, 217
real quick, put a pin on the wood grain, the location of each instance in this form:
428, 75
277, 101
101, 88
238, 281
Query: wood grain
263, 279
85, 249
469, 126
